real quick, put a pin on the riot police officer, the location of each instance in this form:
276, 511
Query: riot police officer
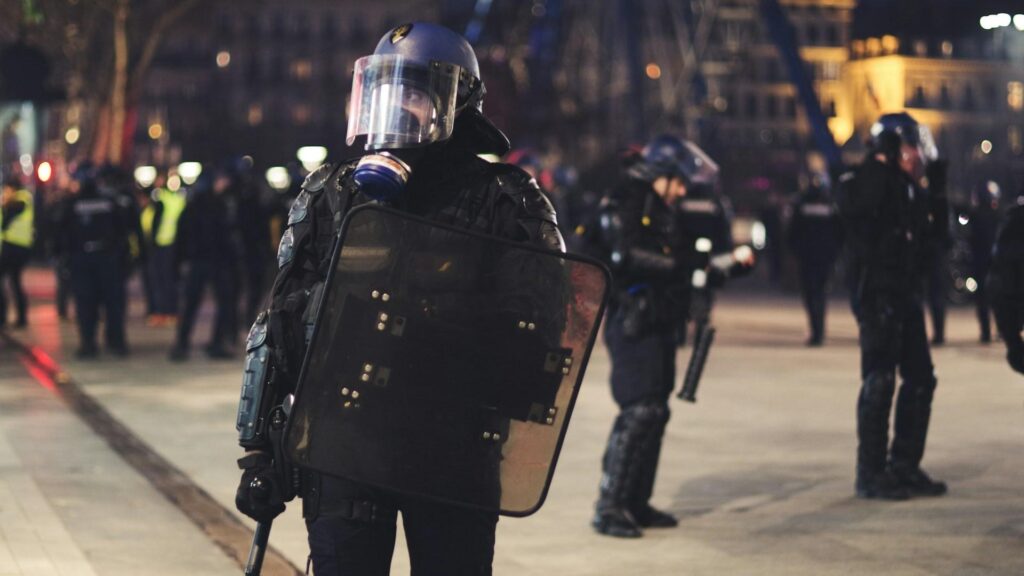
417, 109
984, 219
887, 218
652, 266
93, 232
1006, 283
815, 236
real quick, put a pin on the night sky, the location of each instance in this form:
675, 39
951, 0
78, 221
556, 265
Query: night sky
948, 18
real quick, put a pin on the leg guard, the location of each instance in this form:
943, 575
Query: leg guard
913, 412
873, 408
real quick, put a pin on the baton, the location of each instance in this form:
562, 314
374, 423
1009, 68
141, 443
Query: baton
701, 349
254, 564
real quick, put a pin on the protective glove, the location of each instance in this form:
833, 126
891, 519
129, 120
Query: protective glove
259, 495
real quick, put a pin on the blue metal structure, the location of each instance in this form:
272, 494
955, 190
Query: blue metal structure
784, 36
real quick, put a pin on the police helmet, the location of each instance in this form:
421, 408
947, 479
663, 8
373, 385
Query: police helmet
409, 92
909, 132
667, 155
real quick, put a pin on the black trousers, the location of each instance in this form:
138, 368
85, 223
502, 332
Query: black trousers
813, 279
98, 281
644, 368
892, 336
443, 540
13, 259
221, 276
162, 280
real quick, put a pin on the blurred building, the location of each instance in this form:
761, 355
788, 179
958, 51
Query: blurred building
754, 122
261, 81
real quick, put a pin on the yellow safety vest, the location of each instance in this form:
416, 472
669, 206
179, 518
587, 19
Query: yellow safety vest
22, 230
146, 220
174, 205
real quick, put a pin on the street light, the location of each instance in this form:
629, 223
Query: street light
189, 172
311, 157
278, 178
145, 176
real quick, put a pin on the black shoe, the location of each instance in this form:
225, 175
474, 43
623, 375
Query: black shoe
938, 340
881, 486
178, 354
650, 517
87, 353
21, 325
986, 338
917, 483
119, 351
616, 522
815, 342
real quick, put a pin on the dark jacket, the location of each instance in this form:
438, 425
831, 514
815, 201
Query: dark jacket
815, 232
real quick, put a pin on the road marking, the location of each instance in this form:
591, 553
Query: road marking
219, 524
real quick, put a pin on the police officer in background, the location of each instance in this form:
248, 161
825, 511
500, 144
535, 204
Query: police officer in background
93, 232
887, 217
815, 235
940, 242
416, 107
984, 220
1006, 283
652, 266
17, 231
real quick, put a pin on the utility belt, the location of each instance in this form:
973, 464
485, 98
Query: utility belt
333, 497
643, 309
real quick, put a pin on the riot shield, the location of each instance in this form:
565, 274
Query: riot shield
445, 364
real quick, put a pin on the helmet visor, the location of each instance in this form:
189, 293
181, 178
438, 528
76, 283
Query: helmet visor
697, 167
397, 103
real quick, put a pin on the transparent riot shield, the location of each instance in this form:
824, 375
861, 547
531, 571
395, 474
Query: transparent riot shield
445, 364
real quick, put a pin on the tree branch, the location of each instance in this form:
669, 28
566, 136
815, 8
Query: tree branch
155, 36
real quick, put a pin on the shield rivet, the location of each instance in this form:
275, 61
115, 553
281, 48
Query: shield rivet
383, 317
531, 326
522, 324
381, 326
565, 370
348, 404
375, 294
385, 297
552, 411
550, 420
365, 377
487, 435
368, 368
497, 437
355, 394
344, 391
568, 361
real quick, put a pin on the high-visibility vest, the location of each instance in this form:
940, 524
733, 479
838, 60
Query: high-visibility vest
174, 205
21, 231
146, 220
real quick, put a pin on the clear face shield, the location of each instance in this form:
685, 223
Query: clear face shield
698, 168
397, 103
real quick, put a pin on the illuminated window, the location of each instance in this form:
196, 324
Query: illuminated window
1015, 95
302, 69
1014, 139
255, 115
947, 49
302, 114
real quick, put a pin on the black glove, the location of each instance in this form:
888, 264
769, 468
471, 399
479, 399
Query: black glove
259, 495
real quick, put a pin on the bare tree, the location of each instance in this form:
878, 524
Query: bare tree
103, 50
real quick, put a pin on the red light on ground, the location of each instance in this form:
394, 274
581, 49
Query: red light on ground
44, 171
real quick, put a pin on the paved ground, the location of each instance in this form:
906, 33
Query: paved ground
760, 470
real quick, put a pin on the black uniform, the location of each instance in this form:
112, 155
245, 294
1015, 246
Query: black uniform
984, 219
93, 232
815, 234
702, 214
937, 248
352, 526
1006, 285
206, 240
651, 270
887, 222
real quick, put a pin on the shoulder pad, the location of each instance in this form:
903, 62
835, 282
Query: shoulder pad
523, 189
317, 179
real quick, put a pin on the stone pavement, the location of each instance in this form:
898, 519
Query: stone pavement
760, 470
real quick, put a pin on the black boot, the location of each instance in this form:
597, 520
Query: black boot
647, 516
873, 406
623, 470
913, 413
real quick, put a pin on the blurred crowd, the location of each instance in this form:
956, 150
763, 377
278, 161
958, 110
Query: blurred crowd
214, 232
